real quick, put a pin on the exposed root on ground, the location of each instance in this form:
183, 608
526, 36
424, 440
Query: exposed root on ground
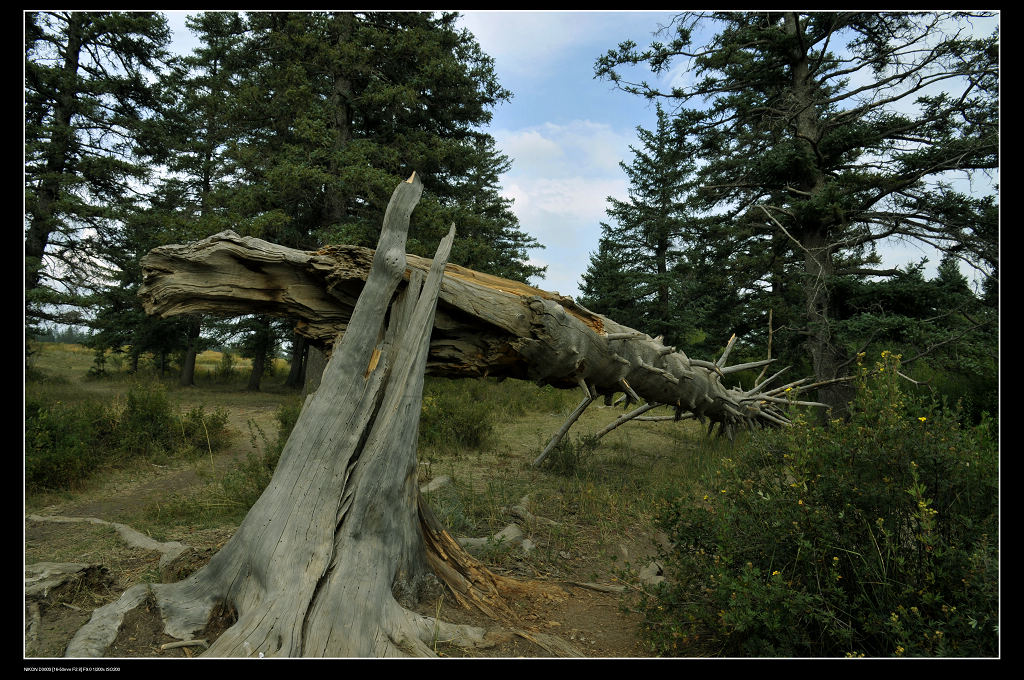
169, 551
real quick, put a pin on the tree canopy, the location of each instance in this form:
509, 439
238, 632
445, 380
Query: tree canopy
290, 126
819, 136
91, 92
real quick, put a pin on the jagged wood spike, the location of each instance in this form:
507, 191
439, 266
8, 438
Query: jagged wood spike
760, 386
573, 417
795, 402
736, 368
780, 420
725, 354
782, 388
629, 391
635, 413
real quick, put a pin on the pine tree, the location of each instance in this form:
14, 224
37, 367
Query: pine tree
830, 132
647, 227
90, 98
188, 139
198, 128
119, 322
660, 265
606, 286
340, 105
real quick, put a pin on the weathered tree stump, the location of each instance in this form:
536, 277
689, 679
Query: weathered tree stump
331, 558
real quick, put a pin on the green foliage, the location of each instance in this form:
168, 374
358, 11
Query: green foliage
243, 486
328, 110
875, 536
455, 415
225, 371
62, 443
921, 317
66, 443
88, 76
800, 174
460, 415
632, 277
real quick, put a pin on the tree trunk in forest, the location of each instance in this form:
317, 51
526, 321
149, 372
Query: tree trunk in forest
43, 222
188, 360
316, 361
816, 231
297, 369
260, 350
825, 356
331, 555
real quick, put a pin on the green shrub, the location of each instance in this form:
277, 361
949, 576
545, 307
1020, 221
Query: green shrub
225, 371
146, 425
875, 536
456, 414
244, 485
203, 432
572, 455
66, 443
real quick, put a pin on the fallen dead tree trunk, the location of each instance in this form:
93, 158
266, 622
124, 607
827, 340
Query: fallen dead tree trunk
484, 325
338, 549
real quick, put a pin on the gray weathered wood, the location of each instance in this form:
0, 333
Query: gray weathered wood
329, 554
484, 325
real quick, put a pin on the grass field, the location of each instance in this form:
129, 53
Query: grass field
593, 512
594, 504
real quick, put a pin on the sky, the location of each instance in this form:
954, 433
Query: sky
565, 131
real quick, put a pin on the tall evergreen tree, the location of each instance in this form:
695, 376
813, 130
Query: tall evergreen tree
837, 131
189, 138
607, 287
663, 267
198, 128
339, 105
646, 229
119, 323
90, 96
329, 109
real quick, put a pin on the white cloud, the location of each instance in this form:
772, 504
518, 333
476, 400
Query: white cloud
560, 180
574, 199
522, 42
564, 214
578, 148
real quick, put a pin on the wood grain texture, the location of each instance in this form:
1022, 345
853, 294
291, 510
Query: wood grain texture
484, 325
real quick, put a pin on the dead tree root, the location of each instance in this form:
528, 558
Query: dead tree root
187, 608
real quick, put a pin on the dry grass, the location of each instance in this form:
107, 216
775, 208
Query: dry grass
596, 516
